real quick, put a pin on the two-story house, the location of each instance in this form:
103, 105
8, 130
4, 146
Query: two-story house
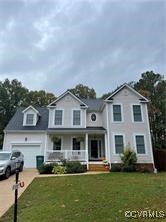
88, 130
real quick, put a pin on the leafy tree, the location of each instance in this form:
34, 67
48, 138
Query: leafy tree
39, 98
12, 95
83, 92
153, 86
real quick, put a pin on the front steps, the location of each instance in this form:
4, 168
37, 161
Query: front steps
96, 167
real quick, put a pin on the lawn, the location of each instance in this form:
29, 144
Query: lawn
91, 198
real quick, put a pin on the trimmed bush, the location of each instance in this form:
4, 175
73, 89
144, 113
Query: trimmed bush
46, 168
129, 160
75, 167
59, 169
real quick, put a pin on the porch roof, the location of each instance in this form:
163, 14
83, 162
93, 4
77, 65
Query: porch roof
89, 130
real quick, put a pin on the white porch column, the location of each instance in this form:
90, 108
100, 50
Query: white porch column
86, 148
46, 146
106, 146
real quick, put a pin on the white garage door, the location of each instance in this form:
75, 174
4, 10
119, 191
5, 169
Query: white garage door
30, 152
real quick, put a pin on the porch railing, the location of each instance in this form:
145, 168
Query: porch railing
71, 155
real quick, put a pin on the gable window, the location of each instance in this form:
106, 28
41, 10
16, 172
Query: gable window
57, 144
119, 144
140, 144
76, 117
93, 117
137, 113
117, 115
76, 144
58, 117
29, 119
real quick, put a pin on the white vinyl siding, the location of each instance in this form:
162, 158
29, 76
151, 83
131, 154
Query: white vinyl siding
117, 113
29, 119
119, 144
76, 117
58, 117
137, 114
140, 144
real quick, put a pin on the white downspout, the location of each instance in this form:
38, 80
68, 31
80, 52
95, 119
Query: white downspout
86, 148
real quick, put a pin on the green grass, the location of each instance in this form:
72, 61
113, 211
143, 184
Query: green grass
91, 198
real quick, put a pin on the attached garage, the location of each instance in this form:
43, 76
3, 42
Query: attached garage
30, 151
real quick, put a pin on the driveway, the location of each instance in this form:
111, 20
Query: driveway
6, 192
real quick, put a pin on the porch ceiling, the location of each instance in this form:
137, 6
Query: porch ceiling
89, 130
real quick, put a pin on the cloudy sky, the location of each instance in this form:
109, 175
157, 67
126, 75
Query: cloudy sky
56, 44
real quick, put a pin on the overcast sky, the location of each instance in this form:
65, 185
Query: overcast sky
54, 45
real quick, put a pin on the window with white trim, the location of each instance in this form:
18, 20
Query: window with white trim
57, 144
76, 144
29, 119
119, 144
58, 117
117, 115
76, 117
140, 144
137, 115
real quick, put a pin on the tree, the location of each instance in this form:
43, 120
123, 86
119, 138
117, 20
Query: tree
153, 86
83, 92
12, 95
39, 98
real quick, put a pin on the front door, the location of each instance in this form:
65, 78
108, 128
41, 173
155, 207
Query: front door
94, 149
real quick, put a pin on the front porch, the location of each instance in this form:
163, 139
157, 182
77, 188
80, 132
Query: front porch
87, 147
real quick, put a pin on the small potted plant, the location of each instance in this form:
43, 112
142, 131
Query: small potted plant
106, 165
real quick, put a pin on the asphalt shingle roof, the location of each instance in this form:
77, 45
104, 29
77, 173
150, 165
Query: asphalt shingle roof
94, 104
16, 123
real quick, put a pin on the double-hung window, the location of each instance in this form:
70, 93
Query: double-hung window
119, 144
58, 117
29, 119
57, 144
76, 144
76, 117
117, 113
137, 115
140, 144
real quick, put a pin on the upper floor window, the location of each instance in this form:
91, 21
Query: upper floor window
137, 115
117, 115
76, 144
57, 144
119, 144
76, 117
140, 144
93, 117
29, 119
58, 117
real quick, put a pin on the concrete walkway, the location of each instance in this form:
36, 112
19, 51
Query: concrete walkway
73, 174
6, 192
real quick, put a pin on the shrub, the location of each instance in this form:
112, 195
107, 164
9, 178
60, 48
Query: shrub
46, 168
59, 169
130, 168
75, 167
115, 168
129, 160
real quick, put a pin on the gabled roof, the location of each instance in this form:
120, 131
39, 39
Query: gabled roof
31, 107
71, 94
16, 123
142, 98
